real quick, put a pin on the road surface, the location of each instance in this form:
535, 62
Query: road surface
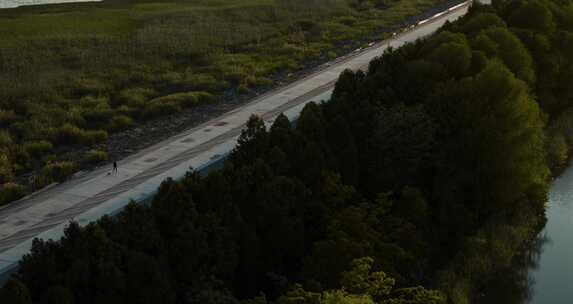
87, 197
18, 3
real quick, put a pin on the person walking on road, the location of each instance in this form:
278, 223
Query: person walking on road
114, 167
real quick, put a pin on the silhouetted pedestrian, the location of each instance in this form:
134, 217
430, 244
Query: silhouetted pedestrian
114, 167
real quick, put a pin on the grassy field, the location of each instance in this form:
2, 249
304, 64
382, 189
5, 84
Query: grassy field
71, 74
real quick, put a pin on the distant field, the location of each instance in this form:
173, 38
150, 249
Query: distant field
71, 74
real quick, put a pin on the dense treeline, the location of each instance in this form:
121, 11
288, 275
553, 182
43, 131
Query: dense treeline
430, 169
71, 75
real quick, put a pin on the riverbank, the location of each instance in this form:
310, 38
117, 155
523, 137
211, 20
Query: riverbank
494, 266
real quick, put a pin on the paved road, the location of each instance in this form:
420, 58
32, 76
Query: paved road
87, 197
17, 3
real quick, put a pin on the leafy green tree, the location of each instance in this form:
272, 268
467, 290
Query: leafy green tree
342, 297
416, 295
513, 53
557, 150
399, 148
455, 57
15, 292
344, 150
252, 142
413, 205
172, 207
362, 280
484, 162
58, 295
481, 22
213, 296
532, 14
109, 284
147, 281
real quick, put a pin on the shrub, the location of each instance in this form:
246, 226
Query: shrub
92, 137
91, 102
135, 97
5, 139
38, 148
7, 117
6, 173
120, 122
331, 55
203, 82
242, 89
95, 156
168, 80
10, 192
58, 170
20, 159
89, 86
67, 134
235, 77
557, 150
258, 81
347, 20
97, 117
563, 124
154, 109
186, 99
204, 97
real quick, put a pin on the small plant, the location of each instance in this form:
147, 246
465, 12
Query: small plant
120, 122
10, 192
95, 156
92, 137
58, 170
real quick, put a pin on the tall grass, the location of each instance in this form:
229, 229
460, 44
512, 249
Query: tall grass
69, 74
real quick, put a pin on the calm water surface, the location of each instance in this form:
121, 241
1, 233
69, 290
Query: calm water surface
16, 3
552, 278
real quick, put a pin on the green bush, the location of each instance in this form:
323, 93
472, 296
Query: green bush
202, 82
7, 117
92, 137
155, 109
204, 97
5, 139
235, 77
97, 117
135, 97
331, 55
10, 192
95, 156
38, 148
120, 122
6, 173
90, 86
186, 99
58, 170
67, 134
258, 81
347, 20
557, 151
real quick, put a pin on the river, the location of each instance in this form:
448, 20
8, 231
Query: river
544, 273
16, 3
552, 276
